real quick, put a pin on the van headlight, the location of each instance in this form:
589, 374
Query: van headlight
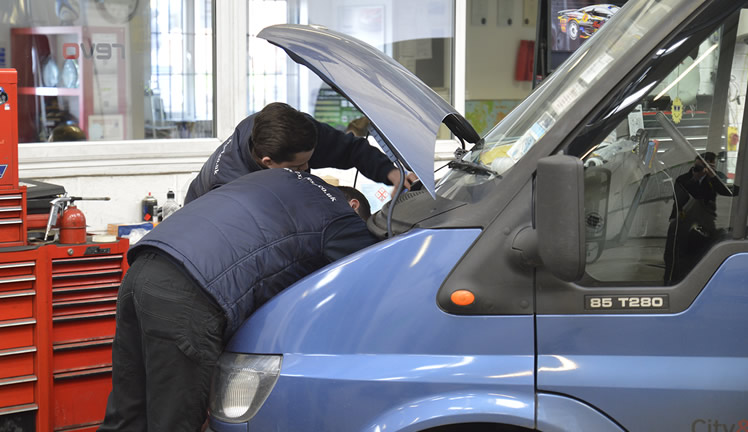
241, 384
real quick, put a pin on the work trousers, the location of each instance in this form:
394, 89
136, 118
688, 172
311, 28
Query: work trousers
166, 346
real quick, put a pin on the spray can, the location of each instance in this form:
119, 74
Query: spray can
148, 206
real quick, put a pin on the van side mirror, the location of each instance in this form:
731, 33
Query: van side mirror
559, 216
557, 239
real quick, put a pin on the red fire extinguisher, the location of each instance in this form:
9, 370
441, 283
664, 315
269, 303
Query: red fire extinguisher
72, 226
71, 221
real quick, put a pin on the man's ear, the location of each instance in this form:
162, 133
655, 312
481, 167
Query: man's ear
267, 161
354, 203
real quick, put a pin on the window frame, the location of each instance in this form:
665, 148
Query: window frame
167, 156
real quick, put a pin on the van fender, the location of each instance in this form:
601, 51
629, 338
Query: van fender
466, 406
561, 413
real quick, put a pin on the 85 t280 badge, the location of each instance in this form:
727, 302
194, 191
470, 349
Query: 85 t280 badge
649, 302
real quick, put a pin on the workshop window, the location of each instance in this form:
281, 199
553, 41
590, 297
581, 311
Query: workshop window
419, 34
108, 71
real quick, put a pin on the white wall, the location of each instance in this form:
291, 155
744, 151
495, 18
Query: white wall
123, 172
126, 173
492, 53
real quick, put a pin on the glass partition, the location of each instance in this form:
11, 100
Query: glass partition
110, 70
418, 34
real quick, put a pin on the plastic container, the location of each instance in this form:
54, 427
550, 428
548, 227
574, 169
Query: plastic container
170, 206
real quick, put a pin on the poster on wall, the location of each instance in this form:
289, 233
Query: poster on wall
575, 21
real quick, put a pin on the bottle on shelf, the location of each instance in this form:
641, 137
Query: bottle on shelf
170, 206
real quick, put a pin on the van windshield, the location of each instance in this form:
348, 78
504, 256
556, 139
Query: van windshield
560, 94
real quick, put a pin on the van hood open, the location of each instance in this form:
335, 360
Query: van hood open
405, 112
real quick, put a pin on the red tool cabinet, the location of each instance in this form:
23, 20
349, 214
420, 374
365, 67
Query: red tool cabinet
9, 129
57, 322
57, 307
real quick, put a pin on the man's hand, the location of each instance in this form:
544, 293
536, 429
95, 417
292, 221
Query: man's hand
394, 177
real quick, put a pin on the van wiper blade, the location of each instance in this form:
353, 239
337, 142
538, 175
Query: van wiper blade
472, 167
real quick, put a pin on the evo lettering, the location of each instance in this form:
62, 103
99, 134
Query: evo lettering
103, 51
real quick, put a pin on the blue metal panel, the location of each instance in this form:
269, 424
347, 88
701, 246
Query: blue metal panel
215, 426
365, 345
398, 393
657, 372
560, 414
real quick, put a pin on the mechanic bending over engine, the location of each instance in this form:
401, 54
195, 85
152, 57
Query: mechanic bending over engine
200, 273
279, 136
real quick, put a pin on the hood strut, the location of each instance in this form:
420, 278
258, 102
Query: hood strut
383, 144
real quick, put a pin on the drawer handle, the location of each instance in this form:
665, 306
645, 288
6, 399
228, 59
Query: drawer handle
19, 380
18, 279
10, 209
18, 409
82, 317
84, 373
10, 197
15, 351
16, 323
107, 342
14, 294
86, 259
85, 274
17, 265
11, 222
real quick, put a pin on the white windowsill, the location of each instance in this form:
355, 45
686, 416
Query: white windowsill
136, 157
113, 158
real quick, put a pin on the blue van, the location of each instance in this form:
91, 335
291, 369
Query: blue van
581, 267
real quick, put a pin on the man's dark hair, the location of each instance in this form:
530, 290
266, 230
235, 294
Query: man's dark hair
709, 157
364, 209
280, 131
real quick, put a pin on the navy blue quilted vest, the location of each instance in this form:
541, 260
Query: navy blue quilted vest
250, 239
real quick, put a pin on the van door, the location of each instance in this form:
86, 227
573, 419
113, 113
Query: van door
654, 335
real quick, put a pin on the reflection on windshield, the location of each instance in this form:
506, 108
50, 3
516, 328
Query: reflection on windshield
637, 23
658, 186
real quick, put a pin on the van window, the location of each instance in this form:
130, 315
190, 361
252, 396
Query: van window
659, 187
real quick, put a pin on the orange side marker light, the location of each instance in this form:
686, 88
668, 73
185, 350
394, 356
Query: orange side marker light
462, 298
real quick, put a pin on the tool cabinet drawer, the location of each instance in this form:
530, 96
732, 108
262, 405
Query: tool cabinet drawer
12, 232
17, 333
17, 362
81, 355
81, 279
17, 390
17, 276
10, 212
77, 307
80, 397
83, 327
21, 268
11, 198
82, 293
86, 264
17, 304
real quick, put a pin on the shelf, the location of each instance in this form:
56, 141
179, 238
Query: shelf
47, 30
42, 108
49, 91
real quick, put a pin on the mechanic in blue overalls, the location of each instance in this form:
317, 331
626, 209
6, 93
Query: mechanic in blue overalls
262, 141
200, 273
